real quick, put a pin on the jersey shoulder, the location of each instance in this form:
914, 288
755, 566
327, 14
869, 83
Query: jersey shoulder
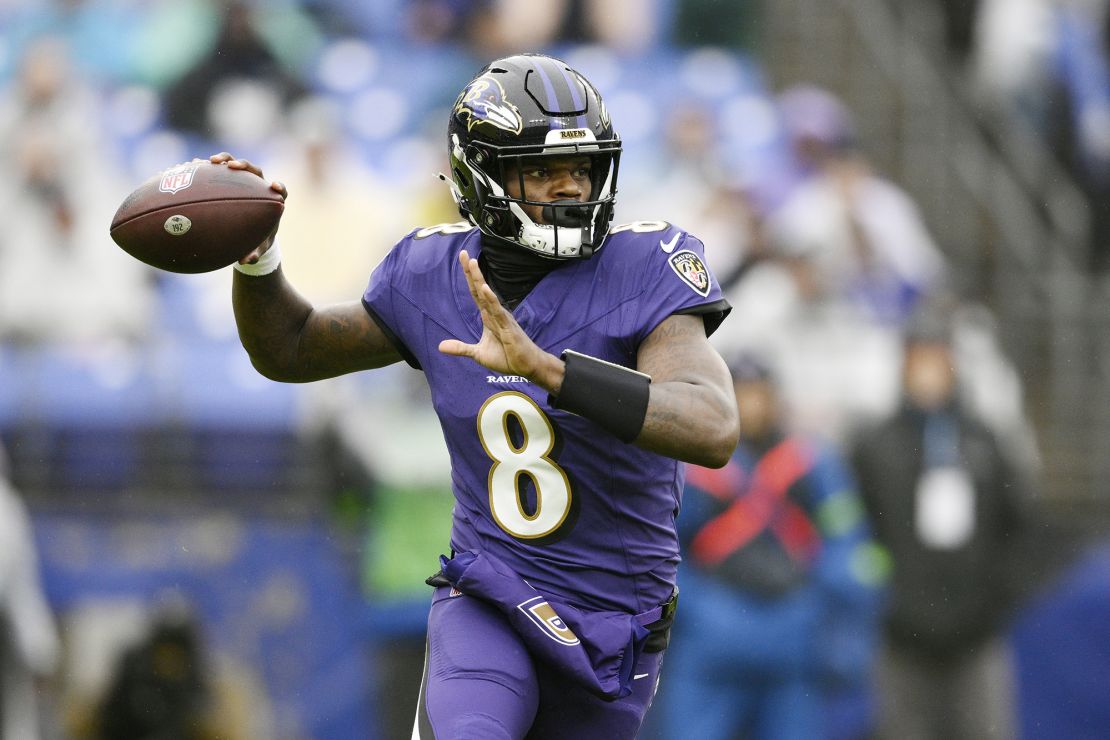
660, 249
441, 231
655, 240
643, 234
427, 248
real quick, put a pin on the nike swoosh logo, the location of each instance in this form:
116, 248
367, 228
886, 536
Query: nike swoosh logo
668, 247
645, 675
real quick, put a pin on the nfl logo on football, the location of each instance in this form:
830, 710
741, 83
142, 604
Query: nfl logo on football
177, 178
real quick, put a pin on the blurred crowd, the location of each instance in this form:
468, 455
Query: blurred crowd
1047, 63
887, 559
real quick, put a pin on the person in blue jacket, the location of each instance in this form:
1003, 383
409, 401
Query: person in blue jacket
779, 584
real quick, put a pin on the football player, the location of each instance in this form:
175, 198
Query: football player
570, 368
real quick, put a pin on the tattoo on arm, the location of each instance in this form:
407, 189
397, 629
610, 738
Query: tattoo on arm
672, 329
692, 412
341, 339
289, 340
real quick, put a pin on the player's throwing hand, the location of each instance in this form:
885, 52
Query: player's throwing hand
241, 164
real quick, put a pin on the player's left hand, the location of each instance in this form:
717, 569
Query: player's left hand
503, 346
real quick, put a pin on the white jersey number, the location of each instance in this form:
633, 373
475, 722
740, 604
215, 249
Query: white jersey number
530, 459
457, 227
640, 227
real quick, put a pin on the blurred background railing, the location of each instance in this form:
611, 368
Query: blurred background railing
1010, 219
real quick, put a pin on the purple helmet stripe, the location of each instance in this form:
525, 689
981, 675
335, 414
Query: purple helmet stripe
580, 122
552, 98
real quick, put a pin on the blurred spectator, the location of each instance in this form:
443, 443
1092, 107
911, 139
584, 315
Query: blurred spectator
161, 689
61, 277
623, 25
1011, 58
732, 225
727, 23
687, 157
778, 584
950, 507
847, 259
1078, 124
101, 33
342, 215
28, 640
237, 90
858, 238
473, 22
835, 367
700, 189
988, 384
956, 23
1047, 63
960, 18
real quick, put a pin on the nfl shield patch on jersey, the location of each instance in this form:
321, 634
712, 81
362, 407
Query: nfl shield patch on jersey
688, 266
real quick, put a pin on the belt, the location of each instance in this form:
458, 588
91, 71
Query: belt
658, 623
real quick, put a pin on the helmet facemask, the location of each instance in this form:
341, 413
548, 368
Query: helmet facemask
570, 229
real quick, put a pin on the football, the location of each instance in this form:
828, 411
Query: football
197, 217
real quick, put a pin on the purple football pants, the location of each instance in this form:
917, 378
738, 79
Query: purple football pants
480, 683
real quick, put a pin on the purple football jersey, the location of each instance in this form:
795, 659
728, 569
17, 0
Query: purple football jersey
578, 513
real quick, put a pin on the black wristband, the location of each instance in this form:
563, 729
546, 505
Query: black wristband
612, 396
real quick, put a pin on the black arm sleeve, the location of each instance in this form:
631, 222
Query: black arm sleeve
712, 314
395, 340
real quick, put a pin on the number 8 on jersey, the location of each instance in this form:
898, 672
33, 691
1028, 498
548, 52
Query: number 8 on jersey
529, 458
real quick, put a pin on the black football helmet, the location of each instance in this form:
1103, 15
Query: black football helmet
524, 107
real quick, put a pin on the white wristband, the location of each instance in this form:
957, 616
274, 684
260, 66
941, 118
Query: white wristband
267, 263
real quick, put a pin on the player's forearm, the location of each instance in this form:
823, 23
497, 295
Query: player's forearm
270, 316
694, 423
289, 340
